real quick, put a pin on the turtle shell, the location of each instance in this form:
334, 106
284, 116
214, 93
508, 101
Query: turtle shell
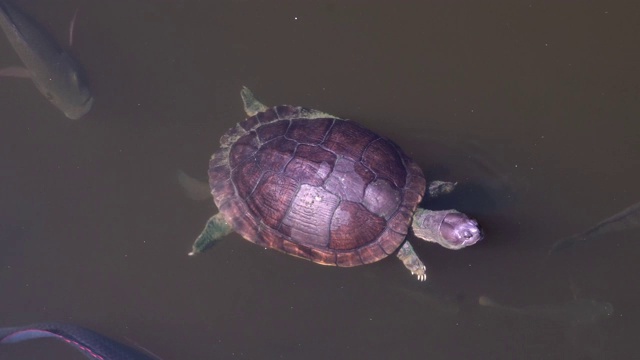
315, 186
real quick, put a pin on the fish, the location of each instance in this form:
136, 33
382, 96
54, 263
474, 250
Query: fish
57, 75
91, 344
576, 312
626, 219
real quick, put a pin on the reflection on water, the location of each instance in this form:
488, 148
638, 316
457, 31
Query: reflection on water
536, 123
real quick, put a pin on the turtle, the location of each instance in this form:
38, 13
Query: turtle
325, 189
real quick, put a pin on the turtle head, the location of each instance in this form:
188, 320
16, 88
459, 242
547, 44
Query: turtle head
449, 228
459, 231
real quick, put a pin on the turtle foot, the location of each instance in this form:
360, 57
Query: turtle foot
412, 262
215, 229
251, 105
437, 188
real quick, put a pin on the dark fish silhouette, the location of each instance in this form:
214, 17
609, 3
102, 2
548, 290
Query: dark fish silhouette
93, 345
576, 312
628, 218
55, 73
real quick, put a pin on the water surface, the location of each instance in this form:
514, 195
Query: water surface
532, 107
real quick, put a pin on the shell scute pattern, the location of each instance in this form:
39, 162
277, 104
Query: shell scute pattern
348, 259
382, 198
309, 217
390, 240
272, 198
272, 130
311, 165
232, 135
276, 154
246, 177
245, 147
348, 139
270, 237
264, 117
349, 179
237, 215
371, 252
383, 159
309, 132
398, 221
346, 217
285, 112
321, 188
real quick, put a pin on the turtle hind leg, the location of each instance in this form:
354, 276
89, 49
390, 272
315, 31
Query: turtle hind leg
251, 105
411, 261
216, 228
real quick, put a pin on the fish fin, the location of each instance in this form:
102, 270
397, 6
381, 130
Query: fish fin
15, 71
147, 351
566, 243
72, 26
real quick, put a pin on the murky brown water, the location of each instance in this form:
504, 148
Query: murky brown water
532, 107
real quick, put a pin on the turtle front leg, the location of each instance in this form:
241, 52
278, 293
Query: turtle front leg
216, 228
412, 262
437, 188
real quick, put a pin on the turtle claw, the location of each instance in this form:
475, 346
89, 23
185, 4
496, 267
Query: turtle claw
421, 273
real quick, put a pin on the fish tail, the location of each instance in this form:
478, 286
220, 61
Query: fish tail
566, 243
